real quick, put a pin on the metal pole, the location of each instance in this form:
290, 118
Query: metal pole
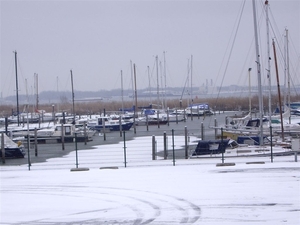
62, 137
168, 117
278, 88
202, 131
153, 147
173, 147
35, 142
216, 130
2, 148
103, 125
120, 125
158, 119
271, 143
186, 142
53, 115
165, 146
85, 133
260, 100
73, 108
28, 150
17, 88
125, 163
76, 150
135, 97
147, 125
222, 145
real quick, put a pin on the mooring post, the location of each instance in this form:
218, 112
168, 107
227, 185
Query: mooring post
124, 140
202, 131
103, 125
147, 125
216, 130
86, 136
271, 143
62, 137
186, 142
173, 147
165, 146
158, 123
222, 145
120, 125
28, 151
2, 148
153, 148
35, 142
76, 150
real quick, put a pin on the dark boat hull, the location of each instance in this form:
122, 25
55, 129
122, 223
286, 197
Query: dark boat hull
211, 147
13, 153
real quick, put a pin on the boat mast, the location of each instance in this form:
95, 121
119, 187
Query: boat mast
258, 73
278, 88
37, 91
73, 108
122, 93
165, 75
135, 97
192, 100
157, 78
150, 93
17, 88
57, 93
132, 83
288, 73
249, 70
161, 81
269, 62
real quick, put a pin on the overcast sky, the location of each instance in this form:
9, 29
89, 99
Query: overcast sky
97, 39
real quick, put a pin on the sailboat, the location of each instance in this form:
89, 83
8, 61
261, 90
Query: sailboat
12, 150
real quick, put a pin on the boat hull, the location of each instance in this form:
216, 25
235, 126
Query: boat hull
114, 127
13, 153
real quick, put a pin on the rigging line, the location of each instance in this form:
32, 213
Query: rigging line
278, 32
153, 77
231, 49
7, 81
129, 86
117, 80
186, 80
292, 68
227, 47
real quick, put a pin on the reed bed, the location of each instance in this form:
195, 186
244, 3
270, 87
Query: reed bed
235, 103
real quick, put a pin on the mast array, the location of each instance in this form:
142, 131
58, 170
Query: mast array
17, 88
258, 73
269, 61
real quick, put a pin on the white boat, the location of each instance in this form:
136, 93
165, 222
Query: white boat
109, 123
66, 132
152, 117
198, 110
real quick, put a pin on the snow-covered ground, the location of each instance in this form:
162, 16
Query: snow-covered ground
188, 191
